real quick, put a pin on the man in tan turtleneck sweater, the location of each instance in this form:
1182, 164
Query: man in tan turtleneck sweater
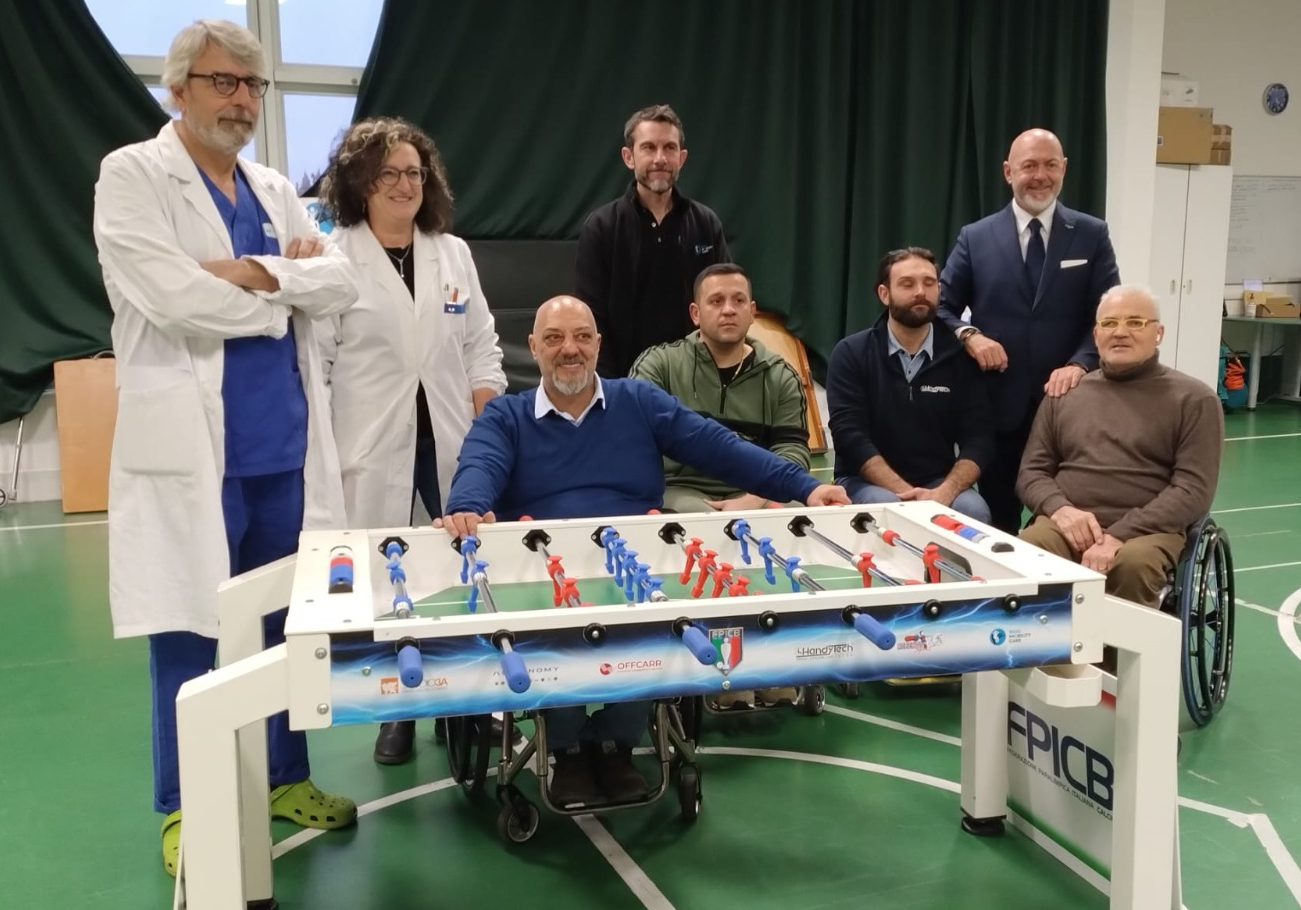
1116, 471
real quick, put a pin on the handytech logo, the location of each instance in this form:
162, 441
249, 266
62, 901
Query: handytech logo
823, 651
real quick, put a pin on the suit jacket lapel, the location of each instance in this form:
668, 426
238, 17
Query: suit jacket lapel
1009, 242
1059, 241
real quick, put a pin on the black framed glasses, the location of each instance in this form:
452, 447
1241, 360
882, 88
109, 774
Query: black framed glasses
389, 176
225, 84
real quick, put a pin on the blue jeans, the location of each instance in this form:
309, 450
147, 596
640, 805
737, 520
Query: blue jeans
264, 516
968, 502
621, 722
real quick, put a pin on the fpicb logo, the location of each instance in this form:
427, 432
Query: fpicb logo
1079, 766
727, 643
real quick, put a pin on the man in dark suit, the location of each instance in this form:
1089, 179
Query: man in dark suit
1031, 276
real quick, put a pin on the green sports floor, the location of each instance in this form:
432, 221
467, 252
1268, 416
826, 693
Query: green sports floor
854, 808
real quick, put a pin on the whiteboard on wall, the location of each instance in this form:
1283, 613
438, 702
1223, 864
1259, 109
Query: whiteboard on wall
1264, 229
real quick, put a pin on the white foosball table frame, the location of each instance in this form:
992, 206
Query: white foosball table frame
226, 841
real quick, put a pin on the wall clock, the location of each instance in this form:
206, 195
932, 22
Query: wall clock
1275, 98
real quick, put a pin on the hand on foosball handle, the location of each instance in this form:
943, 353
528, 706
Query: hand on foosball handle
828, 495
463, 524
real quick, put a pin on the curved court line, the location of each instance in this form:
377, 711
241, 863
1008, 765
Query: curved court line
1287, 623
892, 725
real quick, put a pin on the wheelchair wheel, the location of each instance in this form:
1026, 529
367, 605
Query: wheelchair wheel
1205, 597
469, 742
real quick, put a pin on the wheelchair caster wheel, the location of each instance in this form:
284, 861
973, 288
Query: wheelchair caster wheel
848, 690
813, 700
689, 797
517, 821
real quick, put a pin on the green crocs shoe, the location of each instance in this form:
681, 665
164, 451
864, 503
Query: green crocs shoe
171, 841
304, 804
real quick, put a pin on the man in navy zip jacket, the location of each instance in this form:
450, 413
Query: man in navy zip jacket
581, 447
910, 413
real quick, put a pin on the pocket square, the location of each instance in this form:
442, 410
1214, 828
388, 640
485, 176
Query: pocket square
1072, 263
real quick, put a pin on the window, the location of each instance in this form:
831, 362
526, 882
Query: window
317, 49
314, 124
147, 29
328, 32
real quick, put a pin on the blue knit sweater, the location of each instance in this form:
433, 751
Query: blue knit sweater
515, 464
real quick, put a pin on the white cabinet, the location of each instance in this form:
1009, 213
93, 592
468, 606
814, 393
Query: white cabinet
1190, 241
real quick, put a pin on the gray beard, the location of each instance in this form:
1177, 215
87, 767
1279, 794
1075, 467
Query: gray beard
574, 387
226, 141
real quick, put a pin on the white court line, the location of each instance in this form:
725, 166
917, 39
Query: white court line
633, 876
1241, 536
1266, 610
66, 524
1283, 505
1287, 623
1271, 436
1272, 565
892, 725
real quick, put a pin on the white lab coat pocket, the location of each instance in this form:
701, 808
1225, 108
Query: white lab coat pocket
159, 428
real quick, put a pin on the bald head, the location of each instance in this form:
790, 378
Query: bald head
1035, 168
1129, 300
565, 344
562, 308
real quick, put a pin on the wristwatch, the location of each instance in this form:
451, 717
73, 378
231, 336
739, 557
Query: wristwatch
966, 332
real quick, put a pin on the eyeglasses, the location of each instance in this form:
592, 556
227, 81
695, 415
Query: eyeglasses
1133, 323
225, 84
389, 176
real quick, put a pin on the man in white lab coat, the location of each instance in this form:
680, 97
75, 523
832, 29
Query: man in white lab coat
222, 452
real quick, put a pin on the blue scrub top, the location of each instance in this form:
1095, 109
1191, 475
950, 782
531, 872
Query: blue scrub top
261, 389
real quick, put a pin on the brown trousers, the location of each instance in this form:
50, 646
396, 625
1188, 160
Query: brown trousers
1141, 566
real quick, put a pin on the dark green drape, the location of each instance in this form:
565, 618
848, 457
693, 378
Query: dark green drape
68, 101
823, 133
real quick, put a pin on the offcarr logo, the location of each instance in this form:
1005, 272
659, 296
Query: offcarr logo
727, 643
824, 651
631, 666
1076, 767
920, 641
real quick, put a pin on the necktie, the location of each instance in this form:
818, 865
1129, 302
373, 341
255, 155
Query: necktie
1035, 255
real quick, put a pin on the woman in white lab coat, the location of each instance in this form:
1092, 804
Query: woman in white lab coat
416, 359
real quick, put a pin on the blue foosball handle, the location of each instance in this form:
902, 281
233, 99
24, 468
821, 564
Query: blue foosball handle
697, 643
410, 667
517, 675
871, 629
742, 531
393, 550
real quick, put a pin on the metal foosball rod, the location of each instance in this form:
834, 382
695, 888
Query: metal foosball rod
802, 525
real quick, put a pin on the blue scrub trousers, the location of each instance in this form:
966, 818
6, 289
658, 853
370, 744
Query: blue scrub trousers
623, 723
264, 516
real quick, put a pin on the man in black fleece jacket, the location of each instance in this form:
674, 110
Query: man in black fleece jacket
910, 413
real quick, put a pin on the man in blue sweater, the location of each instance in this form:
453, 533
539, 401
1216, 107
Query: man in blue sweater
909, 411
582, 447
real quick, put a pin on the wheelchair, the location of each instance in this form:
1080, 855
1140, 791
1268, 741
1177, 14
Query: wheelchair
1201, 593
470, 742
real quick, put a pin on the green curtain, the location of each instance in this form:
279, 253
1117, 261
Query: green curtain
823, 133
68, 101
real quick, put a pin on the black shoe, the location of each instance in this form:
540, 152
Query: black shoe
571, 782
618, 777
393, 745
516, 735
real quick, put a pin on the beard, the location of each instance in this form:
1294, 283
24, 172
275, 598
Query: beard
904, 314
571, 386
228, 135
657, 182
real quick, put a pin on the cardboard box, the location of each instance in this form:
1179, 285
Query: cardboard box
1221, 156
1176, 91
1184, 135
85, 395
1270, 305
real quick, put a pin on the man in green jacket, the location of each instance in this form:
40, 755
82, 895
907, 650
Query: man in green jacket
719, 372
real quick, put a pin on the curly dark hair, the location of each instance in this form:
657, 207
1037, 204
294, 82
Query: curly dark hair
354, 168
